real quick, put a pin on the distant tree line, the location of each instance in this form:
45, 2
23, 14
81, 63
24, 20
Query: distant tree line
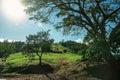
74, 46
7, 48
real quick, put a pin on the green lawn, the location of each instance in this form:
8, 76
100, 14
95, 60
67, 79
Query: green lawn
18, 58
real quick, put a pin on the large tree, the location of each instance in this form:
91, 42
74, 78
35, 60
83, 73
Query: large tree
99, 18
37, 43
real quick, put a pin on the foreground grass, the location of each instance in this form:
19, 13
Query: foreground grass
18, 58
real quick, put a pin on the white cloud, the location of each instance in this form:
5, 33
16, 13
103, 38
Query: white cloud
1, 39
40, 24
9, 40
79, 40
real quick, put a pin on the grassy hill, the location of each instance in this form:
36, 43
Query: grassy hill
18, 58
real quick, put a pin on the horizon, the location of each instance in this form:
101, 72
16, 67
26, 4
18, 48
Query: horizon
9, 40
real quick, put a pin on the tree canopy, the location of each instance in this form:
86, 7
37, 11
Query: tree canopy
100, 18
37, 44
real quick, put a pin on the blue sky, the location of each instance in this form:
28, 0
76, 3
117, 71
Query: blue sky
20, 29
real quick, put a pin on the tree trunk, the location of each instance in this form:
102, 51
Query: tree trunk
106, 52
40, 59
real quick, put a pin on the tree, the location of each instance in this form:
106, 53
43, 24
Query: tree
18, 46
6, 48
35, 44
98, 17
47, 45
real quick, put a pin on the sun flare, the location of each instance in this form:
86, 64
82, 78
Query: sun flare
13, 10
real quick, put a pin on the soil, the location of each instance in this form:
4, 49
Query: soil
79, 70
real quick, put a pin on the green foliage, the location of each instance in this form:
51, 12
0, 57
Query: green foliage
58, 48
98, 46
6, 48
37, 44
75, 47
18, 46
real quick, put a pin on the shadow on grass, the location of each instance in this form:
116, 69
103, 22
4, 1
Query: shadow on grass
29, 69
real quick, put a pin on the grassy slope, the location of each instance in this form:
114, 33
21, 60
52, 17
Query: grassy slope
49, 57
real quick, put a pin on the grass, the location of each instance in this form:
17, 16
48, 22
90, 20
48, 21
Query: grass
19, 58
18, 63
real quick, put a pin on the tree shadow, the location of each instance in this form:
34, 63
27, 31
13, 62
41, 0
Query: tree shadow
30, 69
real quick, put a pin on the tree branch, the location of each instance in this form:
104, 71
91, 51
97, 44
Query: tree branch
114, 12
114, 30
67, 7
94, 17
88, 29
100, 7
89, 21
106, 17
